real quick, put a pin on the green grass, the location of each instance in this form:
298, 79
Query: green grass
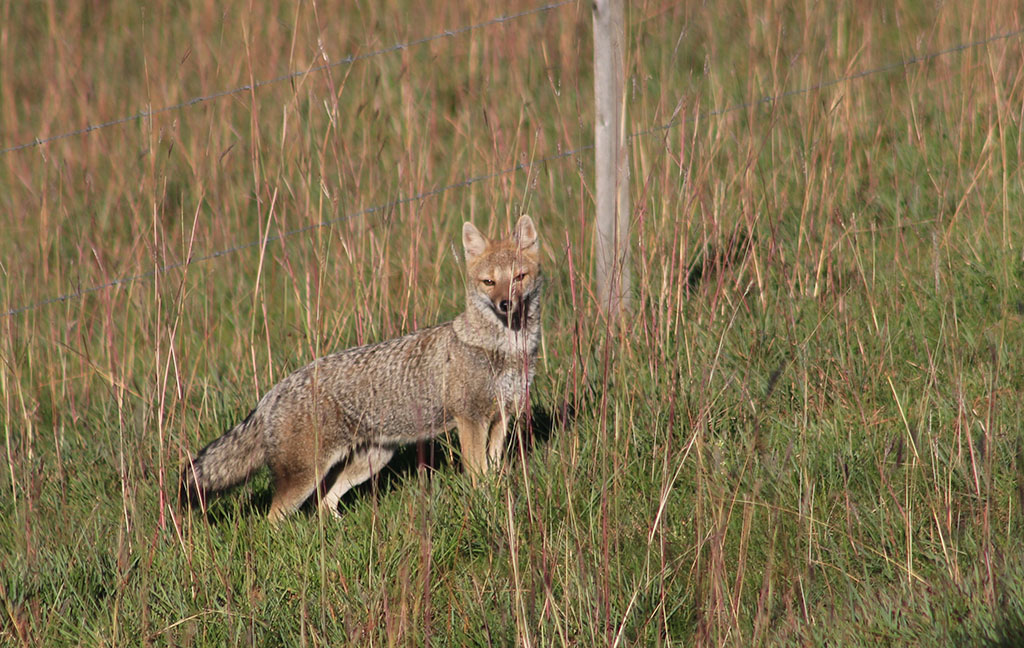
817, 442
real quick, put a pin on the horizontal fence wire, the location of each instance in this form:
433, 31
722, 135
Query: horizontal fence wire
896, 65
675, 121
382, 208
348, 60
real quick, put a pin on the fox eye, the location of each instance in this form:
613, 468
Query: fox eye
519, 277
487, 282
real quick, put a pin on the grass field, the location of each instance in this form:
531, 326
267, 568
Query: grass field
810, 432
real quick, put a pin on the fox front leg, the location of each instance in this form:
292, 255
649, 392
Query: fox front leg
473, 436
496, 441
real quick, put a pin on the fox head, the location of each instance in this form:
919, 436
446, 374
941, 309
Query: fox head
504, 275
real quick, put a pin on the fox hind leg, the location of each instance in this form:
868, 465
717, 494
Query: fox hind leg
361, 466
292, 486
296, 476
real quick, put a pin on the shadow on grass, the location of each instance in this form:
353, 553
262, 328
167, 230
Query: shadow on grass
431, 456
1009, 632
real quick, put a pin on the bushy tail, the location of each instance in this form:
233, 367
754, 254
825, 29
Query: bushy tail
227, 461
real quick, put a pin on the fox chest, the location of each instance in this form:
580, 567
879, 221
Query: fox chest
499, 381
511, 386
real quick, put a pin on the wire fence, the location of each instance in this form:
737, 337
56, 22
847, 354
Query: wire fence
855, 76
387, 206
348, 60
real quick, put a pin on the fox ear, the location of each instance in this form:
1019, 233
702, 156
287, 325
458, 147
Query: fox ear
473, 241
525, 233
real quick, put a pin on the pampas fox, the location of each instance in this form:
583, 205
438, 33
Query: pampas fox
357, 406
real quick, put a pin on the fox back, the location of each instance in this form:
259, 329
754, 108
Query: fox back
357, 406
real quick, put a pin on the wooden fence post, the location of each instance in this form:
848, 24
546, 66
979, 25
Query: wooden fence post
612, 159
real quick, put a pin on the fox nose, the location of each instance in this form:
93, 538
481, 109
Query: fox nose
503, 305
